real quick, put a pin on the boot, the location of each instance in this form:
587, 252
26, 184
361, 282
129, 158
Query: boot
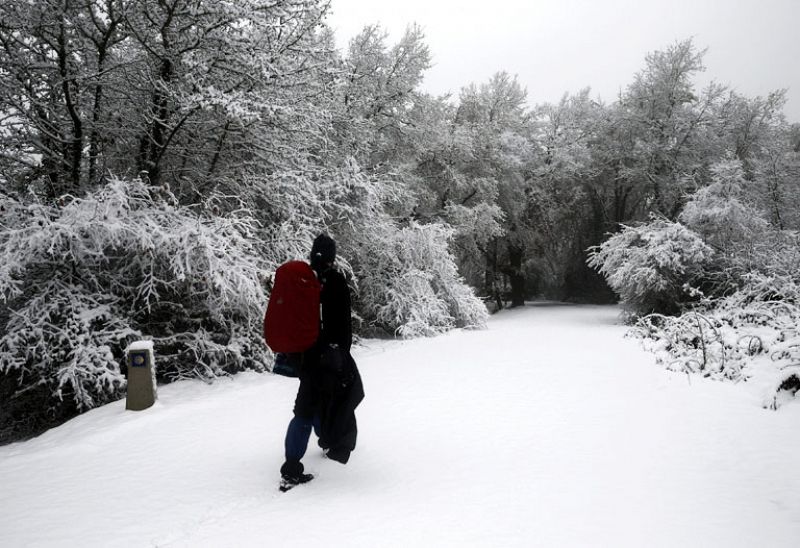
292, 475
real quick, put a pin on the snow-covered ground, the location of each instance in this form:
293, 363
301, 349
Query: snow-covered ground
547, 429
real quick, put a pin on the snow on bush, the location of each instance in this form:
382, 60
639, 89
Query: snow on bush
70, 339
409, 283
649, 265
747, 328
751, 335
81, 278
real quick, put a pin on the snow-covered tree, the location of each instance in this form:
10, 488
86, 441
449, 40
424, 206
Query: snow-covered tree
670, 125
479, 167
145, 86
564, 211
56, 59
409, 283
751, 124
719, 211
376, 91
777, 180
649, 265
211, 76
449, 189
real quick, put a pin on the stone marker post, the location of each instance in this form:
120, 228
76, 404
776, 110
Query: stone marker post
141, 376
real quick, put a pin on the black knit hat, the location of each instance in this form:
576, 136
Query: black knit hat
323, 251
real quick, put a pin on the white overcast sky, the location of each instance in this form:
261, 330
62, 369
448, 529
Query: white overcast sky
557, 46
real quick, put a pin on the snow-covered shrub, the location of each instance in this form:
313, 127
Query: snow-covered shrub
751, 335
747, 326
409, 283
69, 338
81, 278
649, 265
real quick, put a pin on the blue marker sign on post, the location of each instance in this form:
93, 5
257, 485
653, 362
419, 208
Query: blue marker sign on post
138, 359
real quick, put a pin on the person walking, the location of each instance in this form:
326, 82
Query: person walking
330, 384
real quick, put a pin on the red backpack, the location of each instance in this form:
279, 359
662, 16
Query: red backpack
291, 323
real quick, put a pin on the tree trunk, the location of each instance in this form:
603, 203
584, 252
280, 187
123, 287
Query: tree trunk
154, 140
94, 136
516, 276
73, 149
490, 275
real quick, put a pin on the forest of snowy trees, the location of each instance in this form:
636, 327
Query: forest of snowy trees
160, 158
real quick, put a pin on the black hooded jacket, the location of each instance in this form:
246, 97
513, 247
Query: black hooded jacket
337, 388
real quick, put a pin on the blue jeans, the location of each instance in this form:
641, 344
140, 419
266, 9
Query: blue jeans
297, 436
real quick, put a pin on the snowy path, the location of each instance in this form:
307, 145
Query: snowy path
547, 429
